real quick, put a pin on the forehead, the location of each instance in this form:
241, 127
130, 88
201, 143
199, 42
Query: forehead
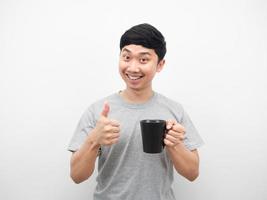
138, 49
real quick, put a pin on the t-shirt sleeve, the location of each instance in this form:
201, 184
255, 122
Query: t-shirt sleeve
85, 125
192, 138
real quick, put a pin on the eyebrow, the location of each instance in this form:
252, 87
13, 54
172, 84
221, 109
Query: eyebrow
142, 53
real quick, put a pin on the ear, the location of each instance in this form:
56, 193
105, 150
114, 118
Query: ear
160, 65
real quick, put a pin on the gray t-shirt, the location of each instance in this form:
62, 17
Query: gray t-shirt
125, 172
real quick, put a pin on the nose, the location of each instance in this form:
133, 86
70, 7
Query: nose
132, 66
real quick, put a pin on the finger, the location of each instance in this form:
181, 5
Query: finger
111, 129
115, 136
179, 135
115, 130
107, 129
168, 143
112, 136
173, 133
171, 139
170, 123
178, 127
114, 141
105, 110
114, 123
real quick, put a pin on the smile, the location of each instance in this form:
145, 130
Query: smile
133, 78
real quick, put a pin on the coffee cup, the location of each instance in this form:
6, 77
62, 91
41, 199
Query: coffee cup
153, 133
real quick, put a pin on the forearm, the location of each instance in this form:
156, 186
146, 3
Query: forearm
83, 160
186, 162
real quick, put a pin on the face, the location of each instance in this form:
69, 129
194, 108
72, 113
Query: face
138, 66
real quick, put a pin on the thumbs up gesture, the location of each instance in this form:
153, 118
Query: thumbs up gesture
107, 131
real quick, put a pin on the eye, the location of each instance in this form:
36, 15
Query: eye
126, 57
144, 60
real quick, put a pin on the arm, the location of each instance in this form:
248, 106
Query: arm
82, 162
186, 162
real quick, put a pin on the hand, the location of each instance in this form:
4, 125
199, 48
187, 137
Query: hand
107, 131
175, 133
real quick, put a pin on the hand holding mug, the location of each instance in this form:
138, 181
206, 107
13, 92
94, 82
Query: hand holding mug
175, 133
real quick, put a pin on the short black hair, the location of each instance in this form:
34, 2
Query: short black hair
147, 36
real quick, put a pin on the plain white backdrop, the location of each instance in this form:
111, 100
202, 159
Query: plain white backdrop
57, 57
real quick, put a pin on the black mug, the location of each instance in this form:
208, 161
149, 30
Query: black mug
153, 133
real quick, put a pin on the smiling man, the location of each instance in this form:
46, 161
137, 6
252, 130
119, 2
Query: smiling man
138, 66
109, 129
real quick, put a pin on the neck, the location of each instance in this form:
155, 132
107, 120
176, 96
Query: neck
136, 96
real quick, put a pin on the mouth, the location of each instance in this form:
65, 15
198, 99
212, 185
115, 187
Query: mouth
134, 77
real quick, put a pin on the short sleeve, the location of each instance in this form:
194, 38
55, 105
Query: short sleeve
85, 125
192, 138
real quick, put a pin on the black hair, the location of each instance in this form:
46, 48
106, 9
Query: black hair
147, 36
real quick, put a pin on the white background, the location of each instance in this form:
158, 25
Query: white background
57, 57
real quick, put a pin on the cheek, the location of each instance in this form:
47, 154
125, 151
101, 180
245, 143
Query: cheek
122, 68
150, 70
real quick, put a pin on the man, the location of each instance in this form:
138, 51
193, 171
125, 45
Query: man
109, 129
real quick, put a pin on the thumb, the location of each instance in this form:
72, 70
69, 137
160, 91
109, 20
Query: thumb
105, 109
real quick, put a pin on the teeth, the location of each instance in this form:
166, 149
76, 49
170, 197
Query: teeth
134, 77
